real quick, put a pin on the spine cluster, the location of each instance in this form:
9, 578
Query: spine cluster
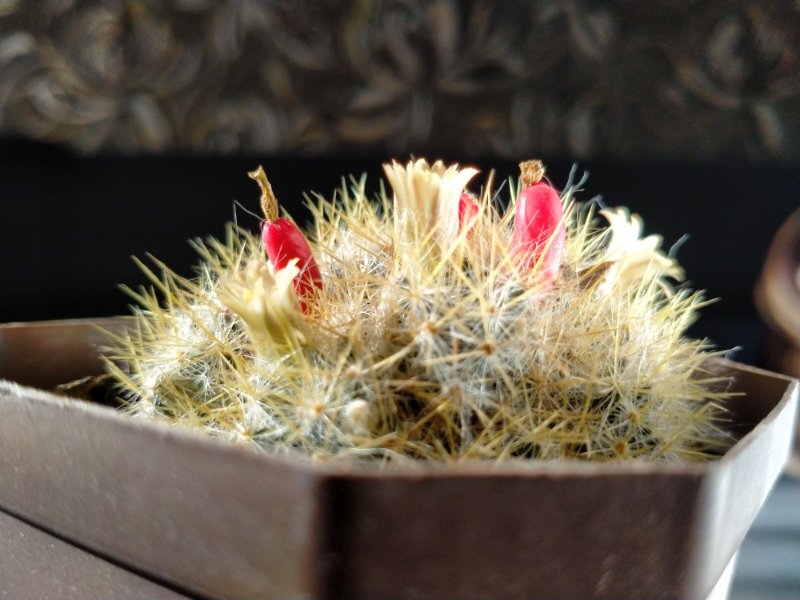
429, 324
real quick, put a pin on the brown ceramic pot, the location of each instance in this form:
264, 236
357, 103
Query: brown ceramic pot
151, 505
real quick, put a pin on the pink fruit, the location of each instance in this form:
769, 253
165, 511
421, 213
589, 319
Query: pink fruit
467, 212
539, 231
284, 242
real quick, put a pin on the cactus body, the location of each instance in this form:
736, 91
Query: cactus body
427, 340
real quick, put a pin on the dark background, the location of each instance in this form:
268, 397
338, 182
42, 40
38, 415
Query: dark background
128, 127
69, 224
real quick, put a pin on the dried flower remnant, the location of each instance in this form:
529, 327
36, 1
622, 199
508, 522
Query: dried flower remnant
423, 343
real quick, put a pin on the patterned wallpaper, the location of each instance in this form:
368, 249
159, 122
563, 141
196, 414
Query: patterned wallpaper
690, 79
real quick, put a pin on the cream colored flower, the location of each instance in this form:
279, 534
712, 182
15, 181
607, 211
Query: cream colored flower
426, 200
266, 301
629, 256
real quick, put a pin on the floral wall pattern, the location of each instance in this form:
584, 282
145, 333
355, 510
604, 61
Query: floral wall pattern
624, 80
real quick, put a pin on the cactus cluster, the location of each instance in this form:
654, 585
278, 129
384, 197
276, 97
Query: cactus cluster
427, 337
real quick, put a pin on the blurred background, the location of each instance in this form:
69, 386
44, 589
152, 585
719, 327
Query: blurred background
128, 126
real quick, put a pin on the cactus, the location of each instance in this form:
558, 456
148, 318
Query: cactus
430, 339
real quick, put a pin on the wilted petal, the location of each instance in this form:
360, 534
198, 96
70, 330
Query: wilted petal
426, 199
265, 299
628, 255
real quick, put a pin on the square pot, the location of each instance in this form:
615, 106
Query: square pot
220, 521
